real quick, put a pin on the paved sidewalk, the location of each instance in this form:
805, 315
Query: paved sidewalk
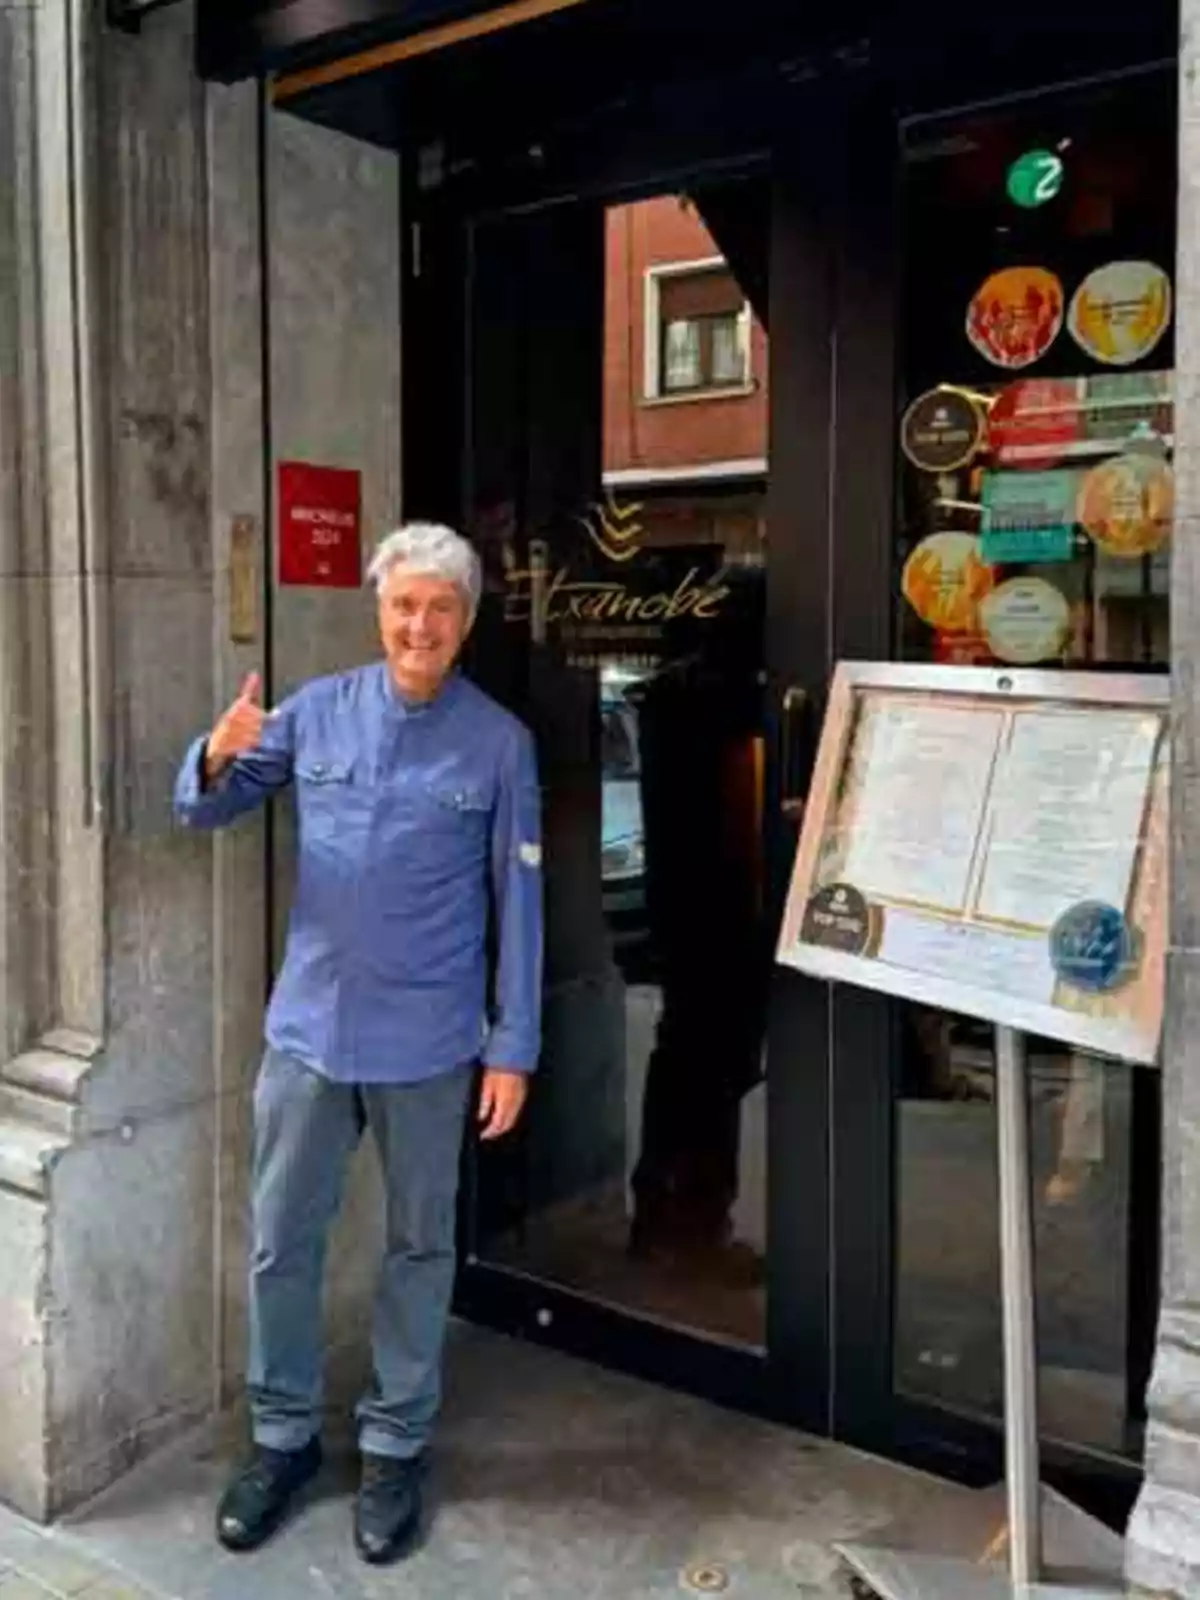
554, 1481
39, 1565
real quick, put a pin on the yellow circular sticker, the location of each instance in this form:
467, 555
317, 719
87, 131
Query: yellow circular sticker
944, 580
1015, 316
1121, 311
1025, 620
1126, 505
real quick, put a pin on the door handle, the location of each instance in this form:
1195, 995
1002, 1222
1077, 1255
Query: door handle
539, 571
792, 716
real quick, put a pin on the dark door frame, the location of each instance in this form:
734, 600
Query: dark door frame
832, 1083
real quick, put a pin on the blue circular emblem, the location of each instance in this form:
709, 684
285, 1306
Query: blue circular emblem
1091, 947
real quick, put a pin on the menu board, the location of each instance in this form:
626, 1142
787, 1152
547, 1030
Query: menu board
993, 843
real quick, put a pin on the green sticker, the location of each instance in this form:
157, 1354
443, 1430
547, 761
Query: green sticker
1007, 546
1035, 178
1028, 516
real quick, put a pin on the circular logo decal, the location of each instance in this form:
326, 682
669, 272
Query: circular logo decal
1016, 316
1025, 620
944, 580
941, 430
1091, 948
1032, 421
1120, 312
1127, 504
839, 918
1035, 178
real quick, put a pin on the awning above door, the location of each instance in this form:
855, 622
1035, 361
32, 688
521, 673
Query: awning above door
240, 38
547, 83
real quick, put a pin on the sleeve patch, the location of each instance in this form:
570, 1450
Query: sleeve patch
530, 854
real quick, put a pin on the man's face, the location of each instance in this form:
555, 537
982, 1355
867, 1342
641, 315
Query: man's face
422, 623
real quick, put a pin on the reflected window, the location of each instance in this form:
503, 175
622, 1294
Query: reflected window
683, 357
698, 324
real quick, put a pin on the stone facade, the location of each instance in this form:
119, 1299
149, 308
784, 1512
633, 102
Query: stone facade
151, 228
1164, 1534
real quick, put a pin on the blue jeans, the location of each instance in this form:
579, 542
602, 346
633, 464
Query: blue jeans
305, 1129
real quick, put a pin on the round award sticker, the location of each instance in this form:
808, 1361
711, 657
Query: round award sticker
1121, 311
1025, 620
839, 918
1032, 421
941, 430
944, 580
1091, 947
1126, 505
1015, 316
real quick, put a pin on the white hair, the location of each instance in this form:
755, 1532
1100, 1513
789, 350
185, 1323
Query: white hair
433, 551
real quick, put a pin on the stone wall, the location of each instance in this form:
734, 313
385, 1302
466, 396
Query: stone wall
333, 265
1164, 1534
141, 277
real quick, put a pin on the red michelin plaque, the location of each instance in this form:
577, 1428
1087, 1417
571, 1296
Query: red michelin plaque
319, 526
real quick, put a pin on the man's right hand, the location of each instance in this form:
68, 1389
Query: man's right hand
238, 731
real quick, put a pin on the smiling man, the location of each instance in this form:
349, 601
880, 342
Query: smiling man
419, 827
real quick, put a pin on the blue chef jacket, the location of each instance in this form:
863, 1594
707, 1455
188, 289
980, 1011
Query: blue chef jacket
409, 815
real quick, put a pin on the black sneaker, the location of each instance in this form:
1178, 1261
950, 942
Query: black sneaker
387, 1513
256, 1502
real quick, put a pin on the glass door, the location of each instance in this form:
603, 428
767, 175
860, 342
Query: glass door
619, 488
681, 454
1032, 458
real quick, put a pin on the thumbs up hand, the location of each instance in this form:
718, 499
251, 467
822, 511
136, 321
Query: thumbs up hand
238, 730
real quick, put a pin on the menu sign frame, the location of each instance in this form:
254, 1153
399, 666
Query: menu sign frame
1003, 835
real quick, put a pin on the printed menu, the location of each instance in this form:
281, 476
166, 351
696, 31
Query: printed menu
923, 773
1067, 818
1000, 855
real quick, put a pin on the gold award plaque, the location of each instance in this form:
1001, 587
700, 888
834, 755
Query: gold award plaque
942, 430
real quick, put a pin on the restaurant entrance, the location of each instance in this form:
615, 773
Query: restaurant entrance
647, 464
629, 607
722, 360
779, 1194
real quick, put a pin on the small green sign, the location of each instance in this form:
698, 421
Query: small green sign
1035, 178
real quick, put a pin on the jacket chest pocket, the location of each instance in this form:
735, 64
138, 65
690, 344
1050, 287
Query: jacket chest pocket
328, 799
447, 823
453, 805
455, 810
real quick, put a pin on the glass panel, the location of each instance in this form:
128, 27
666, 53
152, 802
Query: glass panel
1035, 508
727, 364
637, 607
683, 367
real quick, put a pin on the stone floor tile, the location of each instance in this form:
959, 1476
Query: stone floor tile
19, 1586
115, 1587
19, 1538
552, 1480
58, 1567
